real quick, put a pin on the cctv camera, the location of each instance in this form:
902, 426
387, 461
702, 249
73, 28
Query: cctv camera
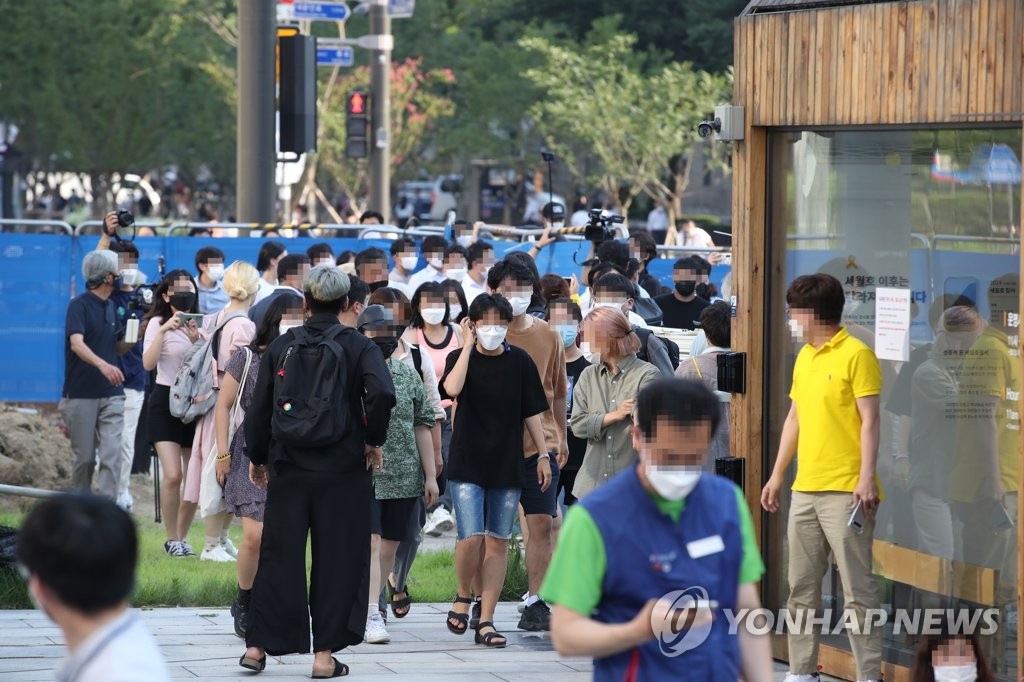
705, 128
547, 156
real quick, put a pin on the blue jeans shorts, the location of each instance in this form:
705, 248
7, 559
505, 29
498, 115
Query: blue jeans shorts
484, 511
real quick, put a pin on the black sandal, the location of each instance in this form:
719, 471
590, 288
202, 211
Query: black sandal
257, 665
461, 618
340, 670
474, 618
488, 638
405, 603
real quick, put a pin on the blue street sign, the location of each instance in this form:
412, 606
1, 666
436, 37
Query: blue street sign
401, 9
322, 11
335, 56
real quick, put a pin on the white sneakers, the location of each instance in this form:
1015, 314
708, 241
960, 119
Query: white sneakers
218, 553
229, 547
376, 633
793, 677
125, 501
440, 521
522, 604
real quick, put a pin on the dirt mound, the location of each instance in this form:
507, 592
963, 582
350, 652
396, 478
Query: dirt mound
34, 452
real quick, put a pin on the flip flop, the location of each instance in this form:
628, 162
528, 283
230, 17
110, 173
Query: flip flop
255, 664
340, 670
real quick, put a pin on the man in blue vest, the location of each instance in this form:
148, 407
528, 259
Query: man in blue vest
649, 565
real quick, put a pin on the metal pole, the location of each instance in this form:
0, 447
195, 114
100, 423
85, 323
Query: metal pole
256, 154
380, 86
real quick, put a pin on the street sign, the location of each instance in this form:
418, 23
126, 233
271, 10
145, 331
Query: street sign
335, 56
401, 9
321, 11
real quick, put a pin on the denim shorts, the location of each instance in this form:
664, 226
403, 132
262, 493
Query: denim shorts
484, 511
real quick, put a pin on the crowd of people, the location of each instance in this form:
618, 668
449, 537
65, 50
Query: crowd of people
472, 394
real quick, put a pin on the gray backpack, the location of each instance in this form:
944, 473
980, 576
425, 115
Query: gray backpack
194, 391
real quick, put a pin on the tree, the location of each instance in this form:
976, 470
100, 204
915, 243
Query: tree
598, 99
417, 103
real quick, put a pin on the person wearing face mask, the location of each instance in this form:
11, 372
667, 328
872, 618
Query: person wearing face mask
479, 261
603, 397
683, 306
455, 259
834, 423
210, 266
405, 258
499, 391
168, 337
458, 307
291, 272
241, 281
409, 469
92, 399
565, 317
78, 554
462, 233
615, 291
433, 248
372, 268
242, 497
519, 284
661, 526
358, 293
945, 657
320, 253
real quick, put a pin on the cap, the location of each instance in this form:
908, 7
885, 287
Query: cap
374, 316
553, 211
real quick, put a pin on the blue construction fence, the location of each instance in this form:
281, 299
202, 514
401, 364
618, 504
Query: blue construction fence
42, 272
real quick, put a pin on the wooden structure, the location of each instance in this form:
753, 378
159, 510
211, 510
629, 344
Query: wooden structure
834, 64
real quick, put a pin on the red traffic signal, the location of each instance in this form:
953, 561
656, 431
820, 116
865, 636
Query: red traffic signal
357, 104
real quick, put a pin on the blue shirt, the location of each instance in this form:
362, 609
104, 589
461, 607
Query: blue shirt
93, 318
212, 300
135, 375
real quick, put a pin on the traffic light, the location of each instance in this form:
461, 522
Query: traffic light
357, 128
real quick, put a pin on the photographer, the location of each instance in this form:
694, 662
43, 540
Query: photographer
92, 400
130, 303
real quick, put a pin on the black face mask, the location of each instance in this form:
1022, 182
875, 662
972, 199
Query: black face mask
686, 288
378, 285
387, 345
702, 290
183, 301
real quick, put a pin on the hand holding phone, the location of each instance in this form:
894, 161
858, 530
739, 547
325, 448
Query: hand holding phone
857, 520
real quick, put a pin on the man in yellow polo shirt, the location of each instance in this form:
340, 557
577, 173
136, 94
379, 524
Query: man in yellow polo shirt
833, 423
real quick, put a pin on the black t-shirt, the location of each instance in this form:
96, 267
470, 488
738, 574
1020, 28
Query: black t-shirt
681, 315
577, 446
500, 393
96, 320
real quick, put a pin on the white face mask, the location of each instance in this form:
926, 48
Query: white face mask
558, 224
456, 310
409, 262
133, 277
618, 305
282, 328
796, 330
491, 337
464, 240
456, 273
432, 315
348, 268
673, 483
519, 305
436, 263
215, 272
956, 673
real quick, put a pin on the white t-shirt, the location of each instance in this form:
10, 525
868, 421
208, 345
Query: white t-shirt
472, 289
657, 220
121, 651
699, 237
427, 274
263, 290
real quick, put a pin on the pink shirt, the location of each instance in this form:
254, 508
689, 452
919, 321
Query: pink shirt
172, 352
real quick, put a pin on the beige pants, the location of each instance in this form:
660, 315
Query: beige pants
817, 523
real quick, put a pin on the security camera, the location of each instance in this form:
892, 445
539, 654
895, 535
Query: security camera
705, 128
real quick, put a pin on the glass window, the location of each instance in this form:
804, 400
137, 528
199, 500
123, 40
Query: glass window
935, 213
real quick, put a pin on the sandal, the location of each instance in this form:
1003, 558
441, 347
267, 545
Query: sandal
474, 619
340, 670
487, 639
405, 603
461, 618
255, 664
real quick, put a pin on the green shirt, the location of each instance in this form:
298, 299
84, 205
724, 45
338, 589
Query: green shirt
402, 475
576, 574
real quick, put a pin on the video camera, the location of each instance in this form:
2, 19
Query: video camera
141, 299
601, 226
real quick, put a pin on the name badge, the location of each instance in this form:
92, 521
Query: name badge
705, 546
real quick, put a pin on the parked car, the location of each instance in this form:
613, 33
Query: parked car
444, 195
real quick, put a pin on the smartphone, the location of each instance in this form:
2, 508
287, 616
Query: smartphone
191, 317
1001, 519
727, 258
857, 521
568, 280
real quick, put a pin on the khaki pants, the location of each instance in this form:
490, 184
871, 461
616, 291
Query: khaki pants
817, 523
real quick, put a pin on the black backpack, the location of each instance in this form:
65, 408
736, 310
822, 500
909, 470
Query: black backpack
671, 346
309, 390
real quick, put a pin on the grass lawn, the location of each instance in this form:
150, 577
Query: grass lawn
168, 581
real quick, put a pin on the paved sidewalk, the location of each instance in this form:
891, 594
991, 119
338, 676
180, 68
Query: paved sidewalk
199, 644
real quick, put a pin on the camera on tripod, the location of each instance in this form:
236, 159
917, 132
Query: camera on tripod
601, 226
141, 299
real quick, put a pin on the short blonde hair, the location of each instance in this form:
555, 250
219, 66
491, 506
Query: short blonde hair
241, 280
614, 326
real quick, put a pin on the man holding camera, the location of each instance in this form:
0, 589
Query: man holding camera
92, 401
